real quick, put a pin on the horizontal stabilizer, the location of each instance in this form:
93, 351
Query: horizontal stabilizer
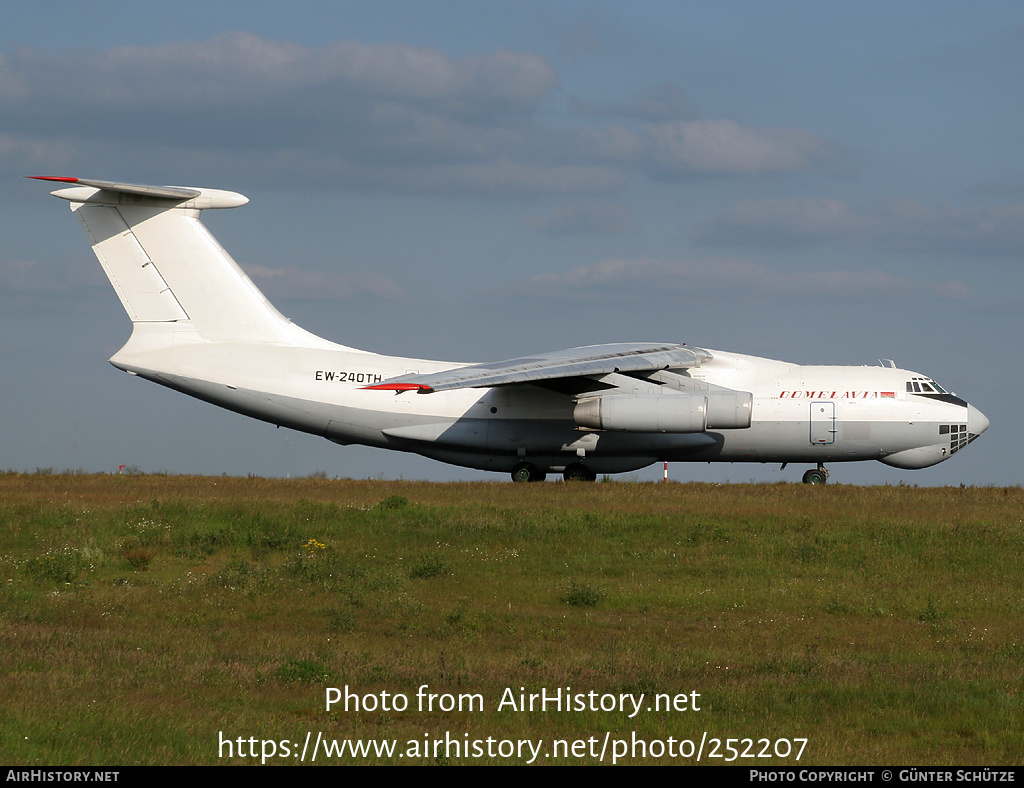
169, 192
85, 190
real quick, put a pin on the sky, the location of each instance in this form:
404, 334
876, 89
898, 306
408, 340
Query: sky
817, 182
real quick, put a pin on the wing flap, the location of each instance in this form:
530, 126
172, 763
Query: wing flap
575, 362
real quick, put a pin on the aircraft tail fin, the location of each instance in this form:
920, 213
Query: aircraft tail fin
165, 265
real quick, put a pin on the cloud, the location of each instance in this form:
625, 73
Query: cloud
999, 189
247, 110
249, 103
651, 278
26, 151
323, 285
702, 149
32, 283
226, 73
667, 103
496, 178
906, 225
585, 217
25, 277
784, 223
723, 147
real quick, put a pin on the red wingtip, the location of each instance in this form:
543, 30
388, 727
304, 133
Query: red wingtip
52, 178
398, 387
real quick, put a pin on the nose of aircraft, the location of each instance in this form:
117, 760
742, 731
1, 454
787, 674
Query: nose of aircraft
977, 422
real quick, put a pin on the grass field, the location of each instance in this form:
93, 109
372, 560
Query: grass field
145, 619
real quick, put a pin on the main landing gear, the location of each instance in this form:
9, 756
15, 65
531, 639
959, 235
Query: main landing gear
577, 472
525, 472
816, 475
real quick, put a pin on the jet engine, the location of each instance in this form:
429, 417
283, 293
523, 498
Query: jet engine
665, 412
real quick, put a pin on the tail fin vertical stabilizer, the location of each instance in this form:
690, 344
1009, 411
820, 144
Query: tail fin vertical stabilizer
168, 269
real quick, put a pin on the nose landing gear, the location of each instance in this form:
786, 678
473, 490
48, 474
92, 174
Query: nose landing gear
817, 475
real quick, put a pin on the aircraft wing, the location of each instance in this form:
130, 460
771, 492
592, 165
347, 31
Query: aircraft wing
572, 363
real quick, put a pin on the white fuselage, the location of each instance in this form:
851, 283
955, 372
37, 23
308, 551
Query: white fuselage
813, 414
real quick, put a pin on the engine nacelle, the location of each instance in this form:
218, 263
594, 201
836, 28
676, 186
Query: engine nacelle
643, 413
729, 410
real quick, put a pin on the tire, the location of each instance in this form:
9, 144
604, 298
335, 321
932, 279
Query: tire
525, 472
815, 476
578, 473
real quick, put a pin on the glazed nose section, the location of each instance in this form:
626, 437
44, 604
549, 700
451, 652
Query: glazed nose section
977, 422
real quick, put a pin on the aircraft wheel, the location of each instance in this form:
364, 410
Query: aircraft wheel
815, 476
525, 472
578, 473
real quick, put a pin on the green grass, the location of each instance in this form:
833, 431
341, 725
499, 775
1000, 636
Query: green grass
141, 616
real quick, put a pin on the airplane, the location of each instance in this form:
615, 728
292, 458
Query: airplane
201, 327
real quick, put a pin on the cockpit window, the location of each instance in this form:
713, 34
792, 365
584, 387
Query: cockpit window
924, 385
